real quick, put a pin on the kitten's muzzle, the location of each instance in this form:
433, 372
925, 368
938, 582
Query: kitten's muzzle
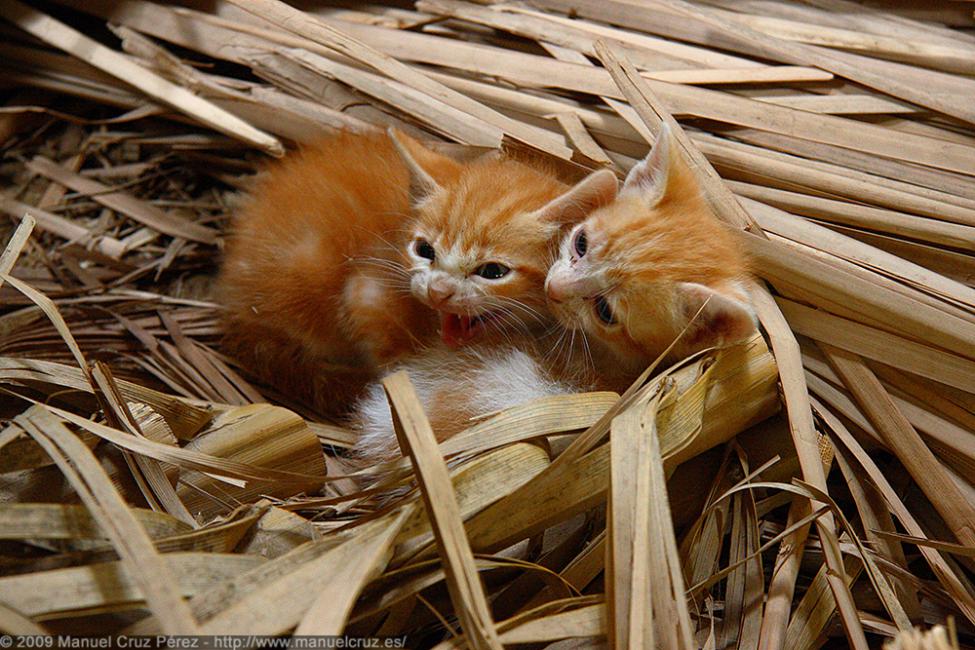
438, 295
552, 291
559, 289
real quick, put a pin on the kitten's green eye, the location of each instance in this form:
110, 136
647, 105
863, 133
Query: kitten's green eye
604, 312
425, 249
492, 271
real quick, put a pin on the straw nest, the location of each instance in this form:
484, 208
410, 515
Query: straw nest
821, 495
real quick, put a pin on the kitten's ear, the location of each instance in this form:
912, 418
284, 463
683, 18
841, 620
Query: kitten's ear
428, 169
594, 191
725, 317
651, 177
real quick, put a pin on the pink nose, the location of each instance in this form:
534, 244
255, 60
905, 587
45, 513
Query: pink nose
439, 294
556, 291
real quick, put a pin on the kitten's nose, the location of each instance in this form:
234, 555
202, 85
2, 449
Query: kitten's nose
555, 291
562, 288
439, 294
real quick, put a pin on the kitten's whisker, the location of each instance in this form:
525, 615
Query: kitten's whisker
403, 279
506, 315
497, 306
555, 327
507, 337
397, 248
585, 344
516, 324
500, 327
382, 262
505, 319
406, 291
530, 311
571, 348
555, 350
559, 347
368, 259
502, 302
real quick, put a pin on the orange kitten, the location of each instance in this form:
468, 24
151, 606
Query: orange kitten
480, 244
635, 272
347, 250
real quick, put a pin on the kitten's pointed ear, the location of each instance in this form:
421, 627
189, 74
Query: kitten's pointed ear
725, 319
594, 191
427, 168
651, 177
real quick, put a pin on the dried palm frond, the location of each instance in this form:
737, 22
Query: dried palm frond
811, 487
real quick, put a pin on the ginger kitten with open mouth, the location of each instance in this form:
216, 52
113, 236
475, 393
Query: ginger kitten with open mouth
357, 251
481, 241
637, 272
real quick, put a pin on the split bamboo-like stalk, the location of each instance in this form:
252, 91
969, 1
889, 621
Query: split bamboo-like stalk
60, 35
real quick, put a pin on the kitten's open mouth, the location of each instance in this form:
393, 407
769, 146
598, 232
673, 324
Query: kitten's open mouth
457, 329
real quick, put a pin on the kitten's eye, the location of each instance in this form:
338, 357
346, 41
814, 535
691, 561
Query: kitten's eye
425, 249
492, 271
604, 312
580, 243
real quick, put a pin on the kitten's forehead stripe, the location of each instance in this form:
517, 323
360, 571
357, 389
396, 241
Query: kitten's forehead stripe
490, 203
644, 244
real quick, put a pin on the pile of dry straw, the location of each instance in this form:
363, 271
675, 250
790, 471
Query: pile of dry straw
147, 485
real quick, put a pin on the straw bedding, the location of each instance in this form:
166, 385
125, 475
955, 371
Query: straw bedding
812, 487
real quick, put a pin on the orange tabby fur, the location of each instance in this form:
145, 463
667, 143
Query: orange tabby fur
657, 255
288, 271
322, 267
650, 261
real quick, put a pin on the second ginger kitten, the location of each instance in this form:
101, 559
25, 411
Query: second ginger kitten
653, 267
